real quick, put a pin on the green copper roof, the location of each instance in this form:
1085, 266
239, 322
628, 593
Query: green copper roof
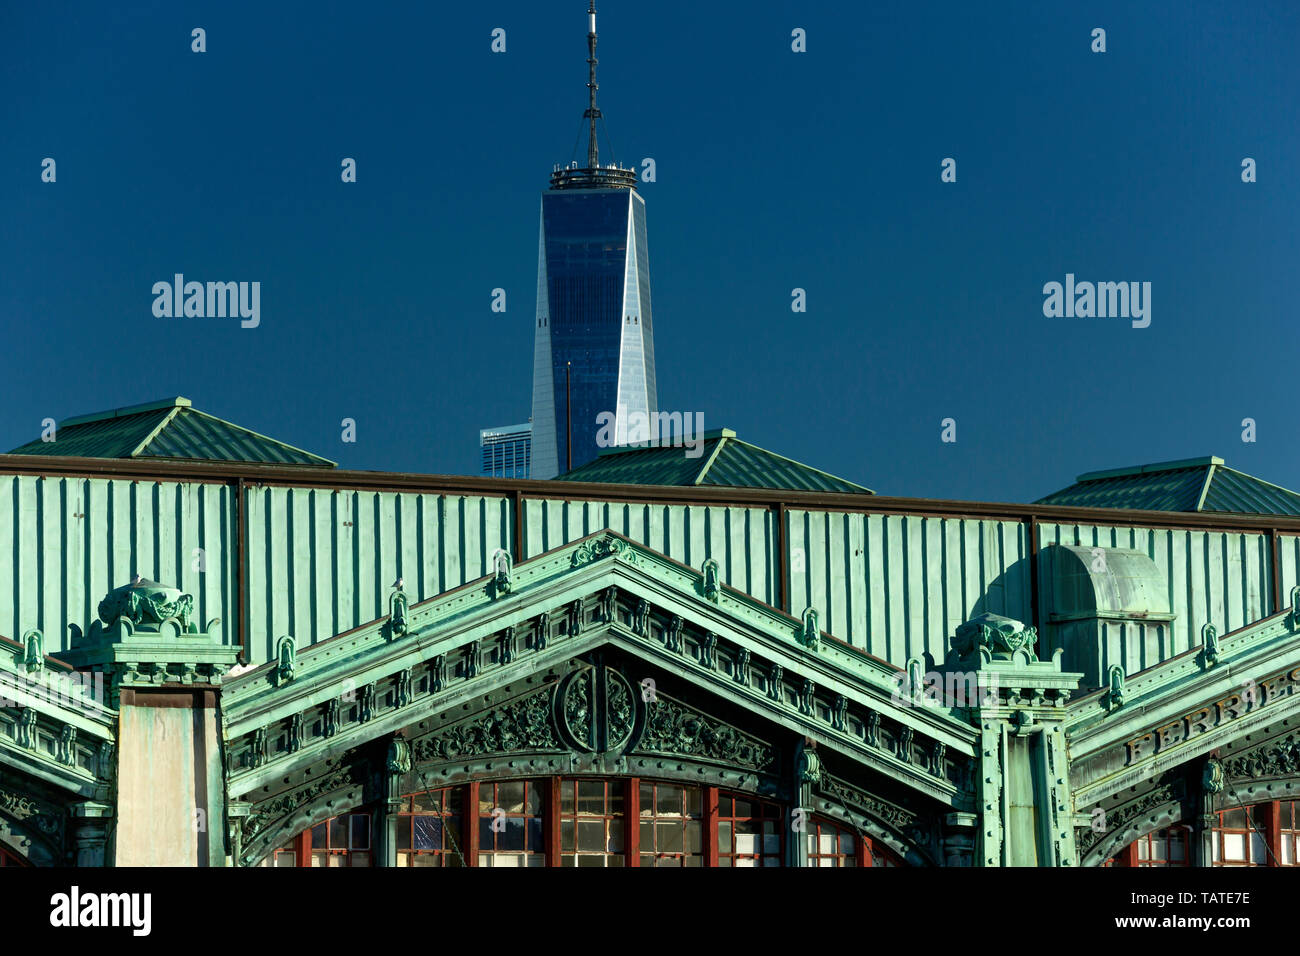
169, 428
1193, 484
724, 461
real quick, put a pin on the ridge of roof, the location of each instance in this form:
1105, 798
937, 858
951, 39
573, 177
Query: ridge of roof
176, 401
1150, 468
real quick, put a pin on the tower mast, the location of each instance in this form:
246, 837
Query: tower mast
593, 113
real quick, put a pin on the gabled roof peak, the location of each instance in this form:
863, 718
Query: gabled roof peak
1204, 484
169, 428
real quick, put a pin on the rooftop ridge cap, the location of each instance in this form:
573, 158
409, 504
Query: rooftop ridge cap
1150, 468
177, 401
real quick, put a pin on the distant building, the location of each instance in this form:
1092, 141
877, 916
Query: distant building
594, 338
507, 451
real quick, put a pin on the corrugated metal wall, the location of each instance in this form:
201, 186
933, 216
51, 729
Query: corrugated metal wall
1222, 577
69, 541
898, 585
322, 561
742, 540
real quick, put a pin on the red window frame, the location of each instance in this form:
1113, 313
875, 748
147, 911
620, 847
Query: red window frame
323, 841
584, 814
658, 829
447, 806
537, 841
765, 819
715, 816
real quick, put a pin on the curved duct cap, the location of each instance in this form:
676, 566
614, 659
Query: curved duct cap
1094, 582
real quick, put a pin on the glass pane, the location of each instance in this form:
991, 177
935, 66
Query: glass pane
320, 836
744, 808
648, 836
615, 796
668, 837
591, 834
403, 833
647, 859
566, 835
670, 800
428, 833
694, 837
511, 796
846, 843
694, 801
772, 843
1288, 850
615, 836
534, 797
318, 857
724, 806
535, 834
746, 843
591, 861
1258, 852
566, 796
426, 802
694, 861
487, 798
339, 833
1144, 849
515, 835
825, 843
647, 799
1176, 848
360, 859
724, 837
591, 796
1234, 846
1235, 818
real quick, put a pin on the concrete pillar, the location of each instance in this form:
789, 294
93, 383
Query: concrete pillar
169, 779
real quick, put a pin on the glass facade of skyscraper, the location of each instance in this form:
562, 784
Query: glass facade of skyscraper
506, 451
593, 321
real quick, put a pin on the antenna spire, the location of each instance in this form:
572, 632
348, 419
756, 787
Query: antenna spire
592, 113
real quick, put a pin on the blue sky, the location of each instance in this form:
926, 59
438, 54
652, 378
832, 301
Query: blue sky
775, 170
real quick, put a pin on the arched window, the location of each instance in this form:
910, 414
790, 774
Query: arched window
580, 822
1261, 834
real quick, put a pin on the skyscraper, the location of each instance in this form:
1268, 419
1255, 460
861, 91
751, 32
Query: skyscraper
594, 349
506, 450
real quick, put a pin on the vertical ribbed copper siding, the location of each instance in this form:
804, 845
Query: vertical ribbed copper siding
69, 541
897, 586
742, 540
321, 562
1221, 577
